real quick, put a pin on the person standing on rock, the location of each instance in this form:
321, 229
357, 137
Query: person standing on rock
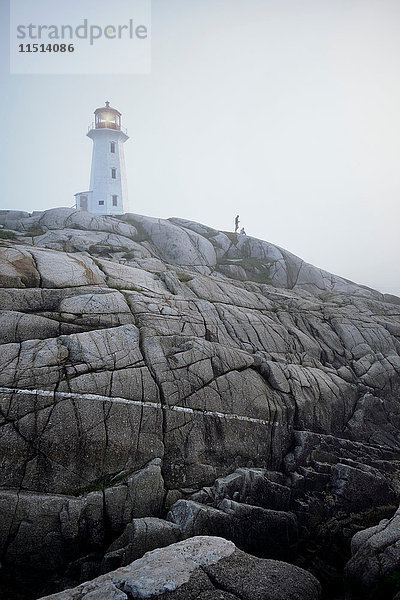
242, 231
237, 223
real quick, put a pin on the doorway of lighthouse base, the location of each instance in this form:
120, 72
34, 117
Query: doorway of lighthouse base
83, 202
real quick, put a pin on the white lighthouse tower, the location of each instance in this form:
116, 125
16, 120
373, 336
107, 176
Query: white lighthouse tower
108, 193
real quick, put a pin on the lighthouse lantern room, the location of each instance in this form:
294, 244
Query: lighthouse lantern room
108, 193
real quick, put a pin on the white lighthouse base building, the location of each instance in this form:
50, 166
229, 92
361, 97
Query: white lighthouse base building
108, 192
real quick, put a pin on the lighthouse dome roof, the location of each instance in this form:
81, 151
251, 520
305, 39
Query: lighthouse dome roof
108, 108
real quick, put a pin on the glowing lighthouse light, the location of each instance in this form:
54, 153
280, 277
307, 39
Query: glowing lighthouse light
108, 193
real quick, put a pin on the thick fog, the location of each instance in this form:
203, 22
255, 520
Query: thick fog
285, 112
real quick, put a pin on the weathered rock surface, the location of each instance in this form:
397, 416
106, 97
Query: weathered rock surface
140, 536
34, 525
258, 530
148, 365
202, 567
374, 566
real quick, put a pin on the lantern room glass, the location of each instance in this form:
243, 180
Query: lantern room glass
108, 119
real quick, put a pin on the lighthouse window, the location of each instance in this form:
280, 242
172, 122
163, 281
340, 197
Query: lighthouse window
101, 202
112, 147
114, 173
115, 200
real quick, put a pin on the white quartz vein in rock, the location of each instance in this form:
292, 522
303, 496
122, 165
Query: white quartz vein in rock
156, 405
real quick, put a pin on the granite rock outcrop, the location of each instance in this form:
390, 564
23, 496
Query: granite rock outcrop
161, 379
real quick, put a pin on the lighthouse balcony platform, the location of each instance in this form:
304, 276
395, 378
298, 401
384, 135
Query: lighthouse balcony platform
107, 125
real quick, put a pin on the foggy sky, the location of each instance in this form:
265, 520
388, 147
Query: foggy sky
285, 112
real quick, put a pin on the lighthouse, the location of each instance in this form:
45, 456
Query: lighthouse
108, 192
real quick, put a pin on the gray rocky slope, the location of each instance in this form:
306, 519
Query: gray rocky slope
161, 380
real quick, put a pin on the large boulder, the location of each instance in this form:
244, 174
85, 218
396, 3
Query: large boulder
75, 240
255, 487
11, 218
361, 486
140, 536
17, 268
255, 529
202, 567
65, 218
174, 244
373, 570
130, 278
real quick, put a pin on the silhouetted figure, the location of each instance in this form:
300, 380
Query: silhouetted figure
242, 231
237, 223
